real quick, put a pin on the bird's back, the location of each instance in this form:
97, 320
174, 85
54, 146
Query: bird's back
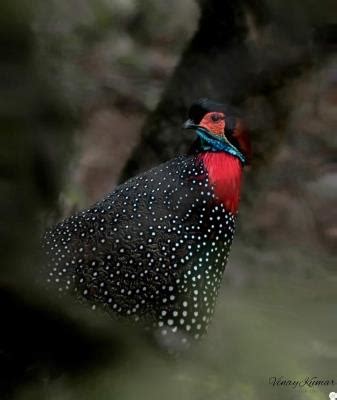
154, 250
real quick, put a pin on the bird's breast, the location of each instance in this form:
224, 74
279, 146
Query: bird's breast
225, 174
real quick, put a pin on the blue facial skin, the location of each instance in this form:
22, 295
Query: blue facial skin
210, 143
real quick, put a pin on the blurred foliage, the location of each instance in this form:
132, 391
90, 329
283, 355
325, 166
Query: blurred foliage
94, 46
79, 78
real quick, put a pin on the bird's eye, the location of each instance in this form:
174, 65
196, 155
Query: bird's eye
215, 117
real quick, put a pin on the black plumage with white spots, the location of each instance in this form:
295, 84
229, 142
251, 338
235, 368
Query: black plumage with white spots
154, 250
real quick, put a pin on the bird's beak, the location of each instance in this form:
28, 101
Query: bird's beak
189, 124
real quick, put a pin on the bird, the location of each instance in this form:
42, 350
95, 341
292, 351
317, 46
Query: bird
154, 250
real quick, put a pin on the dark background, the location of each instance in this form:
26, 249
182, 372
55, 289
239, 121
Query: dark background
92, 92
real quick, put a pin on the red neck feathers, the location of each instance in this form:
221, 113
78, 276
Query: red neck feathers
224, 173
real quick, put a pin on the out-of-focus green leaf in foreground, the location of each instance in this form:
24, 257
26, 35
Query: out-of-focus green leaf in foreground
280, 327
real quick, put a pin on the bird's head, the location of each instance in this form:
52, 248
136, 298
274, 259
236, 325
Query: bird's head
219, 129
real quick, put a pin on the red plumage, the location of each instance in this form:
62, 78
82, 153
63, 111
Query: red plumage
225, 173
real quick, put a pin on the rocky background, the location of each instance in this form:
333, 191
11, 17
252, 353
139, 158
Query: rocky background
95, 91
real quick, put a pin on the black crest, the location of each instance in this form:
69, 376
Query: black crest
204, 105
